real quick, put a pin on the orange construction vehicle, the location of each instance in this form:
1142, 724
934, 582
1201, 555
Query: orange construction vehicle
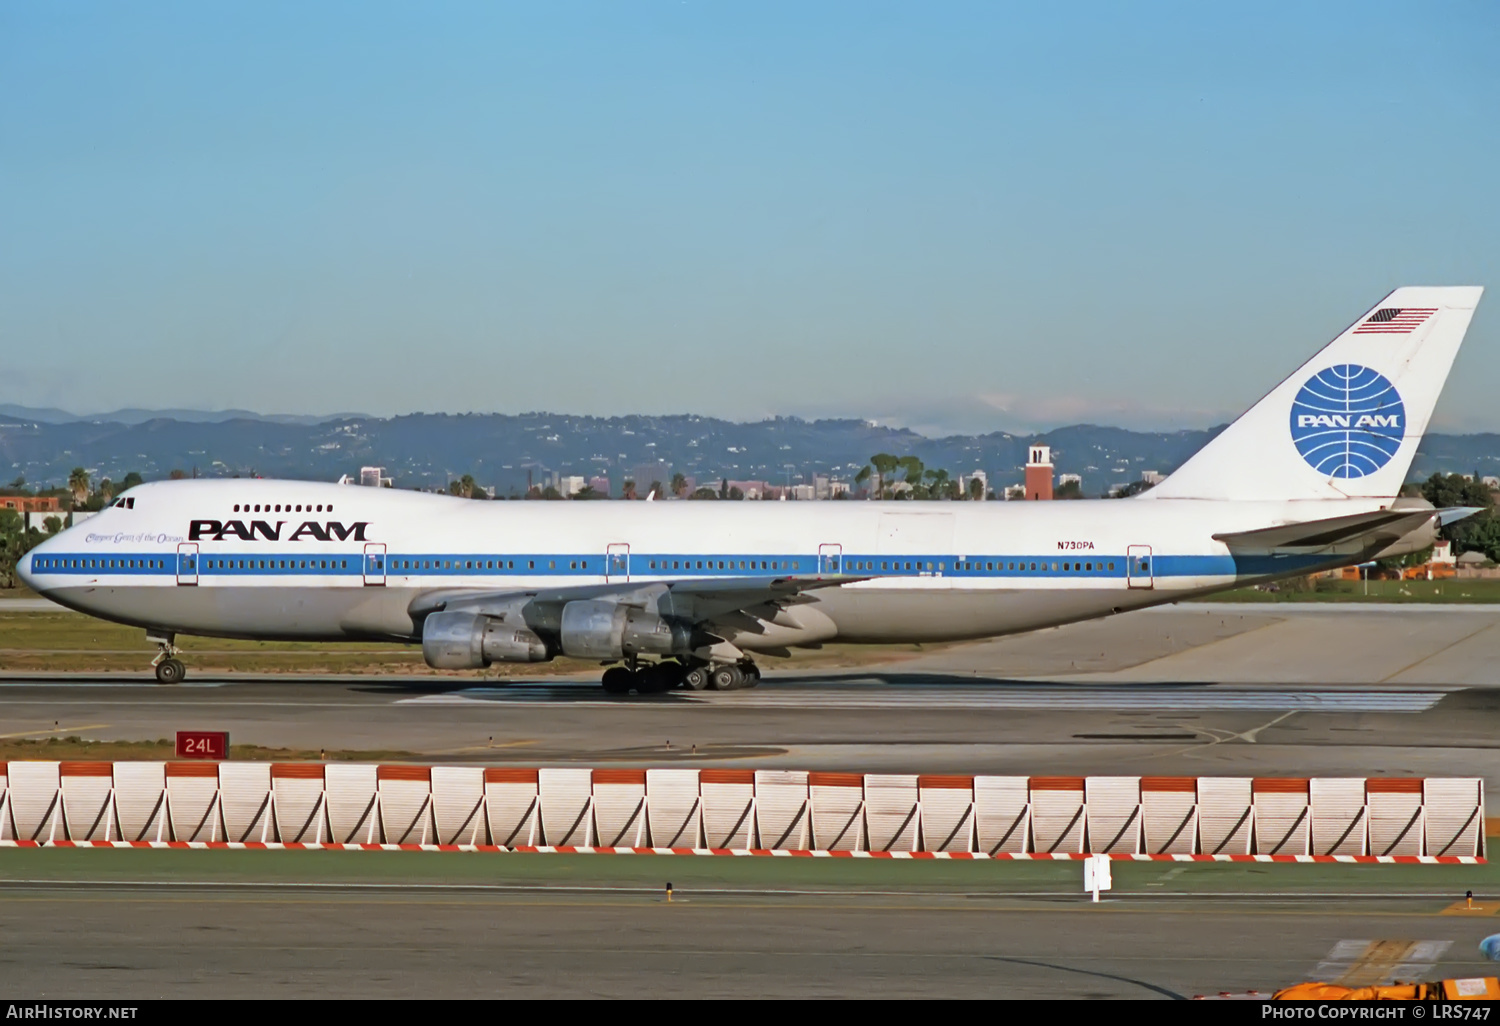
1477, 988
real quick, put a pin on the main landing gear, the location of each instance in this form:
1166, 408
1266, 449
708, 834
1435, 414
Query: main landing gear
169, 669
656, 678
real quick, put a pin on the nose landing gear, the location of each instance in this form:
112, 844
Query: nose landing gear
169, 669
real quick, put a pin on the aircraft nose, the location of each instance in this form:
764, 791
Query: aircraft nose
29, 567
24, 571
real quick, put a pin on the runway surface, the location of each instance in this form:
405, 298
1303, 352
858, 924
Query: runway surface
327, 941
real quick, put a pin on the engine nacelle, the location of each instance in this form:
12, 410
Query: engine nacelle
599, 629
469, 641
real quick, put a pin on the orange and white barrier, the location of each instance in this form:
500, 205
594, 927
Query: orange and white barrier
724, 811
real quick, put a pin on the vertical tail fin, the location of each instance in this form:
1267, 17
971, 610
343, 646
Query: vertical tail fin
1347, 423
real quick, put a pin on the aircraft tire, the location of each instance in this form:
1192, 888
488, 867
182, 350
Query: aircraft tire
751, 674
654, 680
170, 671
695, 678
618, 681
727, 678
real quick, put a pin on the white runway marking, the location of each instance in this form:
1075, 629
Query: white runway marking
1366, 963
1059, 697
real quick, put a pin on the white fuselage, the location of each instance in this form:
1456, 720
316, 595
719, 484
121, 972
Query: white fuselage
287, 559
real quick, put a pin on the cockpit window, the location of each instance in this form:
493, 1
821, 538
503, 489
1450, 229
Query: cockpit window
124, 503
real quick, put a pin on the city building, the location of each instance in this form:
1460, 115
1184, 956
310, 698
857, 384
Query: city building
600, 485
31, 503
374, 477
648, 473
570, 485
1012, 492
837, 488
1039, 473
804, 492
1063, 479
749, 489
1151, 477
976, 475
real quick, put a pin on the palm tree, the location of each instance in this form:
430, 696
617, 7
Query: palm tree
863, 476
940, 486
679, 485
885, 465
78, 484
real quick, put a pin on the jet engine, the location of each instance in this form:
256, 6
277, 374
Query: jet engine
469, 641
599, 629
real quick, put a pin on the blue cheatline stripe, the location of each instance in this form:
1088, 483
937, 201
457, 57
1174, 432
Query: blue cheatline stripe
673, 565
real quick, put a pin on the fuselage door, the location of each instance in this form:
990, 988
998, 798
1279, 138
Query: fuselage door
1138, 571
187, 562
617, 563
375, 563
830, 558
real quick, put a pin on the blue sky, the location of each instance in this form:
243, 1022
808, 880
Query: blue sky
956, 216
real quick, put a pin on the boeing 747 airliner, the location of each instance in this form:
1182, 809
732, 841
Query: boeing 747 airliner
685, 594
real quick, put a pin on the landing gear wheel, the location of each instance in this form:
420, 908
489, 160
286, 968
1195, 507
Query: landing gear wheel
618, 680
171, 671
751, 675
726, 678
653, 680
695, 678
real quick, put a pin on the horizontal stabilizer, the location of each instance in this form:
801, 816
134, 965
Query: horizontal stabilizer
1356, 534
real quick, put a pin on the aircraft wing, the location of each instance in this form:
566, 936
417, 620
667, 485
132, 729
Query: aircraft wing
695, 600
1347, 535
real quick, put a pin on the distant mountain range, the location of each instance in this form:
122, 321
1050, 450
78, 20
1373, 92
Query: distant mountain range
505, 451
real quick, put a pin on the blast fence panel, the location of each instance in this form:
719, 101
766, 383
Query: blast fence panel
1002, 807
193, 806
301, 815
87, 800
1395, 811
1225, 815
1114, 814
1282, 813
458, 804
141, 800
245, 801
1337, 810
781, 812
1169, 814
567, 806
947, 812
1455, 816
35, 801
891, 811
1057, 814
511, 801
729, 803
353, 804
404, 795
672, 808
620, 807
838, 801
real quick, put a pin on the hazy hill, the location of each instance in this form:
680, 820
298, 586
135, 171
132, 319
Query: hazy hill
424, 450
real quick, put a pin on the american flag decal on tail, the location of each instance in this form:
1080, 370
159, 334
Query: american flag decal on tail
1395, 320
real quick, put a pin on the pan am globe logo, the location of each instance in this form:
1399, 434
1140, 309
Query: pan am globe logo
1347, 421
